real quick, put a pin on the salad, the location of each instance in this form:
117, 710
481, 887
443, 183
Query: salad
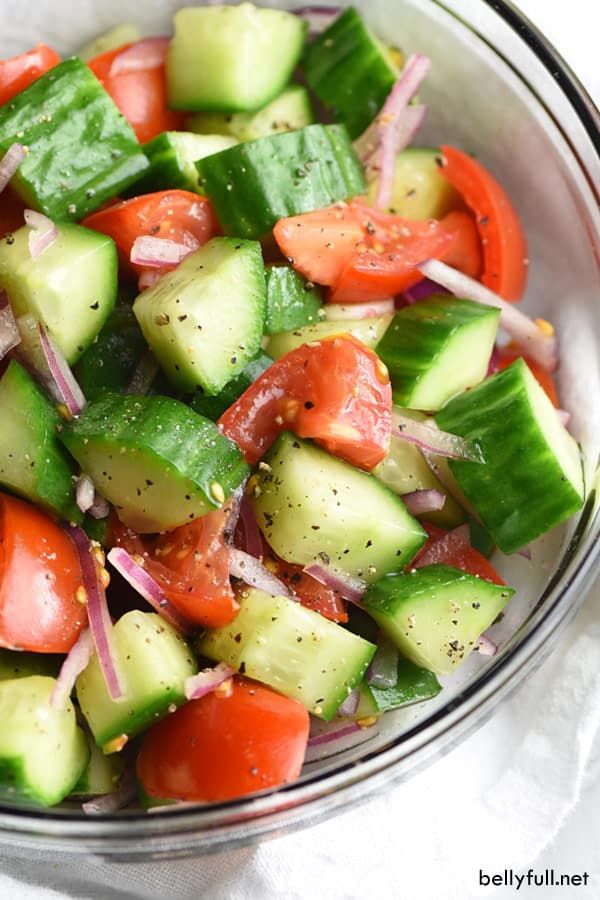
268, 404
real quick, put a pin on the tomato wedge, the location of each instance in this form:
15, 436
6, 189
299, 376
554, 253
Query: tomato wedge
39, 577
465, 251
178, 216
507, 355
19, 72
335, 391
453, 548
134, 76
500, 230
310, 592
230, 743
191, 565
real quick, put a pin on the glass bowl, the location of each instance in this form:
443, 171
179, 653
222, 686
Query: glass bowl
500, 91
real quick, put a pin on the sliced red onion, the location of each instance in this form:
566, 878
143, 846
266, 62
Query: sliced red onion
10, 336
43, 232
156, 252
350, 704
113, 802
73, 665
351, 589
420, 502
100, 508
61, 385
564, 417
422, 290
536, 338
10, 162
494, 363
251, 570
207, 681
485, 646
99, 619
383, 668
144, 374
525, 552
235, 505
335, 737
430, 438
252, 536
335, 312
145, 54
84, 492
141, 581
318, 17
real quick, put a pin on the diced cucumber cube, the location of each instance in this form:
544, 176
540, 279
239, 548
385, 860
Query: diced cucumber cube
368, 331
289, 110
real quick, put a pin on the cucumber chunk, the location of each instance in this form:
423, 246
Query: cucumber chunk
158, 462
310, 506
290, 110
214, 407
81, 149
419, 191
369, 331
154, 661
173, 155
231, 58
102, 773
435, 614
127, 33
438, 348
292, 649
532, 477
71, 287
32, 462
109, 363
414, 685
404, 470
20, 664
255, 184
292, 302
350, 71
42, 750
204, 320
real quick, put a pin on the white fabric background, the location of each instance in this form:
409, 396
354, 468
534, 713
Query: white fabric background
523, 791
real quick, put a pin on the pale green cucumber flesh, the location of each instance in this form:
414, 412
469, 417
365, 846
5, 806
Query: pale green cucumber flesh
127, 33
294, 650
420, 191
289, 110
368, 331
204, 320
435, 614
153, 661
102, 773
310, 506
173, 155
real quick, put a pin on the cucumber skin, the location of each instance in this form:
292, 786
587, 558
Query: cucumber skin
54, 486
283, 175
22, 664
515, 504
109, 363
166, 170
292, 302
348, 72
415, 685
70, 123
214, 407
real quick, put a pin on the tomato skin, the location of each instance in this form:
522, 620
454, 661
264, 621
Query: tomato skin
11, 211
507, 355
465, 252
141, 95
225, 745
191, 565
19, 72
500, 230
39, 577
335, 391
311, 593
179, 216
453, 548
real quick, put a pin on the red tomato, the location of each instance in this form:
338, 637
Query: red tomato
465, 252
311, 593
178, 216
134, 76
362, 253
39, 577
191, 565
227, 744
20, 71
11, 211
335, 391
453, 548
507, 355
504, 246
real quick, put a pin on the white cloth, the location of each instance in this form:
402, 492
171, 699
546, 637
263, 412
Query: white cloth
523, 791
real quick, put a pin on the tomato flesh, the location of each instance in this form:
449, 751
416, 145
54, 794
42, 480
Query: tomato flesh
453, 548
336, 392
465, 251
500, 230
19, 72
228, 744
507, 355
39, 577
